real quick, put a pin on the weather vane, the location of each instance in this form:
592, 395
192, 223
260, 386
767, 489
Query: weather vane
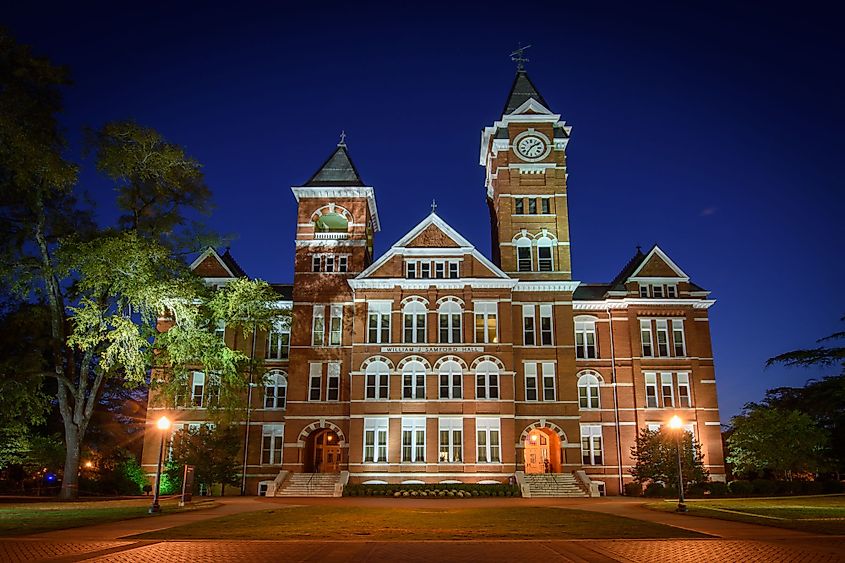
433, 206
519, 58
342, 142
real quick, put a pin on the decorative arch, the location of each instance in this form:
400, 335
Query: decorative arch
448, 298
477, 361
522, 235
455, 359
585, 319
331, 209
319, 425
411, 298
408, 359
372, 359
592, 372
543, 424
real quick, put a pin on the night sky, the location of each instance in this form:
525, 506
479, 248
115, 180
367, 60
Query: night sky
716, 132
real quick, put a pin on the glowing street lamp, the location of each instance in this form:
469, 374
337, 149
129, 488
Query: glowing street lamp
163, 424
677, 425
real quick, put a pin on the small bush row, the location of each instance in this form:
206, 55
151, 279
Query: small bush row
739, 488
431, 491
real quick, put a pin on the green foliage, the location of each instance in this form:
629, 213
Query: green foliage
656, 455
212, 450
634, 489
740, 488
439, 490
771, 440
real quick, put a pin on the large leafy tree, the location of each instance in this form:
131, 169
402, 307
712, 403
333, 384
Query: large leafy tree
107, 289
212, 450
656, 458
769, 440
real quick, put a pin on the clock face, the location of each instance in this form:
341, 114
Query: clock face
531, 146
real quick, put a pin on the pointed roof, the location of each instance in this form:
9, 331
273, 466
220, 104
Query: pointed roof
522, 90
212, 264
633, 264
337, 171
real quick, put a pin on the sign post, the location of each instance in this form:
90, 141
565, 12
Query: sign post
187, 485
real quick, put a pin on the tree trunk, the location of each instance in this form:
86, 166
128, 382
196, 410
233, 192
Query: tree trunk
70, 481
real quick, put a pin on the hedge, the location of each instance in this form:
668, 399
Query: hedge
439, 490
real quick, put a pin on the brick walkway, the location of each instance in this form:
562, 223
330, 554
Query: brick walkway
732, 541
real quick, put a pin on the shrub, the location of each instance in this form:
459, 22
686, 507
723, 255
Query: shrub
634, 489
740, 488
832, 487
764, 487
654, 490
717, 488
696, 490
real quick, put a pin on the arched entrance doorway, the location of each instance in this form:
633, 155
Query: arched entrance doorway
542, 451
324, 452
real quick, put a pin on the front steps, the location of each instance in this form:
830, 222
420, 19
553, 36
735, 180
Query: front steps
311, 485
554, 485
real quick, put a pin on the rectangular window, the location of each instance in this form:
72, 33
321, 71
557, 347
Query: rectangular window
220, 330
342, 264
657, 291
666, 392
275, 392
378, 322
546, 325
519, 206
532, 206
591, 444
413, 383
451, 383
453, 270
375, 440
439, 270
318, 325
197, 389
643, 290
315, 262
523, 258
549, 381
684, 395
545, 206
425, 270
487, 432
678, 338
528, 333
330, 262
413, 440
451, 440
333, 382
272, 440
651, 400
335, 325
672, 291
662, 338
530, 381
278, 342
585, 339
486, 328
315, 379
412, 270
645, 336
544, 258
377, 385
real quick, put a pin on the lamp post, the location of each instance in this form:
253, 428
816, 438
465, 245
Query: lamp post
162, 424
678, 426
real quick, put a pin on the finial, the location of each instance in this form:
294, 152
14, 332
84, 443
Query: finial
342, 142
433, 206
639, 249
519, 58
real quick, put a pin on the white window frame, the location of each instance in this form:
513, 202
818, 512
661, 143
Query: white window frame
592, 445
652, 390
413, 380
453, 375
413, 439
488, 440
333, 382
377, 381
667, 390
585, 339
278, 342
549, 381
452, 449
645, 331
589, 395
523, 253
529, 328
378, 428
378, 322
684, 384
531, 381
662, 334
198, 389
486, 312
545, 263
272, 452
454, 268
316, 263
449, 322
343, 263
417, 313
276, 399
546, 332
487, 378
679, 345
335, 324
315, 381
318, 325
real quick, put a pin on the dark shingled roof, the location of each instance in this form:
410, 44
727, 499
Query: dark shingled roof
236, 269
590, 291
337, 170
285, 290
521, 91
618, 282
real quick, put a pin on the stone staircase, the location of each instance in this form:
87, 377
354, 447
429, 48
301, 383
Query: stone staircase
554, 485
311, 485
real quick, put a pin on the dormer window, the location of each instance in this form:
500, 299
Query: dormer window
412, 270
671, 291
440, 270
659, 290
423, 269
453, 270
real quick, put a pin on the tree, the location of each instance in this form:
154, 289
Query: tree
212, 450
656, 455
776, 441
106, 288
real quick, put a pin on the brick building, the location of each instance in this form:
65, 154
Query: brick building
435, 363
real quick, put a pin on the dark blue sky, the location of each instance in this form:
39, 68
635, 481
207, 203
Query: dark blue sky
715, 131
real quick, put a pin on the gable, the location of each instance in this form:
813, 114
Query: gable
210, 265
432, 237
656, 264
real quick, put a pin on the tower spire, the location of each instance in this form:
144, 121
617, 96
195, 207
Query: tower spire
518, 56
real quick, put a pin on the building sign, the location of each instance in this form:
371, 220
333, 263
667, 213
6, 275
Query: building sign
430, 349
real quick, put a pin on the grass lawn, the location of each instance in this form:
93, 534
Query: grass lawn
32, 518
368, 523
819, 514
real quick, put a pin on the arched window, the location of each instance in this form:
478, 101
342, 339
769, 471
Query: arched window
487, 381
450, 322
414, 322
585, 337
377, 376
331, 223
544, 254
588, 391
450, 380
275, 390
413, 381
523, 254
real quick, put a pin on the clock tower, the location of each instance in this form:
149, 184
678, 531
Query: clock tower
524, 155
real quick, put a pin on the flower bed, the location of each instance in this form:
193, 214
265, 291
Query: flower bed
440, 490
